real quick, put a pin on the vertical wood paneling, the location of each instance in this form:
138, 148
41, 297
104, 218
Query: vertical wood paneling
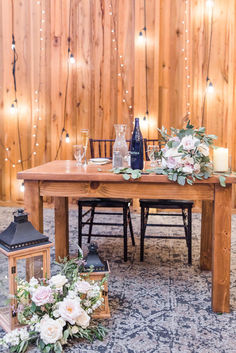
95, 91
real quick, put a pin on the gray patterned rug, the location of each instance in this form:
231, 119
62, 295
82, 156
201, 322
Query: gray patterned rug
161, 305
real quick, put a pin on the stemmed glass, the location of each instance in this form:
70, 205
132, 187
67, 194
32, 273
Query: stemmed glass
85, 138
153, 154
78, 154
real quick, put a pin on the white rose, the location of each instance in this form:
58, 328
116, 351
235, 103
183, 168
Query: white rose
56, 313
188, 169
83, 320
74, 330
61, 322
204, 149
58, 281
188, 142
172, 152
50, 330
83, 287
72, 294
70, 310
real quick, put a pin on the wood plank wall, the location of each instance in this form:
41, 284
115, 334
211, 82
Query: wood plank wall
104, 41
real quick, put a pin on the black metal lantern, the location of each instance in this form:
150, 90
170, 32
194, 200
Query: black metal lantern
94, 260
28, 254
99, 273
21, 234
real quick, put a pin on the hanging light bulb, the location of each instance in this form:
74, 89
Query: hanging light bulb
67, 138
72, 59
13, 109
141, 38
210, 3
22, 187
210, 88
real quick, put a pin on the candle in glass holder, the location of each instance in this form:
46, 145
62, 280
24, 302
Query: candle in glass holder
220, 159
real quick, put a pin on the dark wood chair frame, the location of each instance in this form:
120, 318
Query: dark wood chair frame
184, 205
93, 203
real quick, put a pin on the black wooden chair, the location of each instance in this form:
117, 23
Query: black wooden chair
185, 206
103, 149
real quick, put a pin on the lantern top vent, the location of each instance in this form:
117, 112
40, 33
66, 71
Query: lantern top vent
21, 234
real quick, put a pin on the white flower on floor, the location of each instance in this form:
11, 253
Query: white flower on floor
83, 320
58, 281
70, 310
24, 334
42, 295
74, 329
50, 330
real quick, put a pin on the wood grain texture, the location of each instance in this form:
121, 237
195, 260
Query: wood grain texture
95, 91
221, 249
61, 227
206, 235
33, 203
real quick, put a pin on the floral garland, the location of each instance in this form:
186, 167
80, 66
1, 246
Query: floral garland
56, 310
184, 157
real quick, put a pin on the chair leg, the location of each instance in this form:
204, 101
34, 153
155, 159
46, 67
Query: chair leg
142, 234
91, 223
80, 226
185, 225
125, 232
130, 227
189, 235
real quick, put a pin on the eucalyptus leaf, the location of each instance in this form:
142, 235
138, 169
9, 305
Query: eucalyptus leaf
181, 180
99, 169
222, 180
126, 176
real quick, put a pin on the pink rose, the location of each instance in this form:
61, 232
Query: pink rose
171, 162
188, 142
42, 295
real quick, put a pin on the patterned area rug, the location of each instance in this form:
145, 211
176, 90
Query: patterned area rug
161, 305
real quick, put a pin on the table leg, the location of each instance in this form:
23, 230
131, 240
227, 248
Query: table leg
206, 235
34, 204
61, 227
221, 249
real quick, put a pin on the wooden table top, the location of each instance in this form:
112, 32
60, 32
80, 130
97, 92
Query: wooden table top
66, 170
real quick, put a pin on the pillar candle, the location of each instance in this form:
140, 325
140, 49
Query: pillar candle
220, 159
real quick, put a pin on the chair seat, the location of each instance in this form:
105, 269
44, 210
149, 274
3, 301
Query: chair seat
162, 203
104, 202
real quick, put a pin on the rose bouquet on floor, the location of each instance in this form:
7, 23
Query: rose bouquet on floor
185, 154
56, 310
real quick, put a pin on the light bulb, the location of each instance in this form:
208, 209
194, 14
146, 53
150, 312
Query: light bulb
141, 37
210, 88
13, 109
72, 59
22, 187
13, 46
210, 3
67, 138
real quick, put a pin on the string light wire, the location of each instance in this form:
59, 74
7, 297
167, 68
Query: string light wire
66, 89
208, 81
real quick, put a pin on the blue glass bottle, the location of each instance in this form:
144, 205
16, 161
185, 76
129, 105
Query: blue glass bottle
136, 147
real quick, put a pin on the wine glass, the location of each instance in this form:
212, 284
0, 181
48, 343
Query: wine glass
85, 138
78, 154
153, 154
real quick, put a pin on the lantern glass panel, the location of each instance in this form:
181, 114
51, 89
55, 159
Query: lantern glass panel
30, 267
4, 291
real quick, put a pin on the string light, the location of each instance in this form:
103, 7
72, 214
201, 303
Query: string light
142, 36
186, 52
121, 64
72, 59
209, 88
210, 3
13, 109
14, 105
22, 187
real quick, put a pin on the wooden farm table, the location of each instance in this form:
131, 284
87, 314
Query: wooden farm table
62, 179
